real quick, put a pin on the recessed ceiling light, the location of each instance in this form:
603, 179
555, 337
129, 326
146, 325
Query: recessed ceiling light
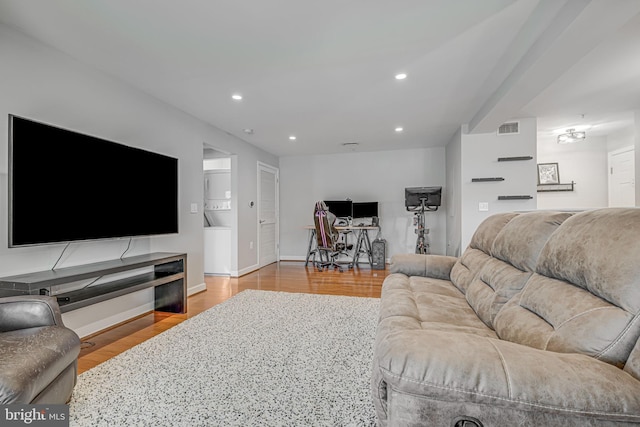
399, 129
292, 137
248, 131
236, 96
401, 76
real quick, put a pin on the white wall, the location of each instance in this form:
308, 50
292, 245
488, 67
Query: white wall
377, 176
43, 84
478, 158
637, 153
453, 195
583, 162
621, 139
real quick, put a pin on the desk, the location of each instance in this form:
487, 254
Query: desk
363, 243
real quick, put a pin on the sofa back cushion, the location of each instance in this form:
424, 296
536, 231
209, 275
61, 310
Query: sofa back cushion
478, 252
515, 252
585, 294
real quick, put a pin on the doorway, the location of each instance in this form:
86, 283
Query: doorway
622, 180
268, 214
218, 212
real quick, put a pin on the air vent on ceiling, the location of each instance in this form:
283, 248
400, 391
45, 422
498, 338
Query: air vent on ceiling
509, 128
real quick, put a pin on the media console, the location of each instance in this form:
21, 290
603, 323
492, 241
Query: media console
168, 278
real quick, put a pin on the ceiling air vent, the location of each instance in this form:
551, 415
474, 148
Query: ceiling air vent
510, 128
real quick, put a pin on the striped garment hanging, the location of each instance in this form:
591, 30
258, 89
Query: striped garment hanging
322, 216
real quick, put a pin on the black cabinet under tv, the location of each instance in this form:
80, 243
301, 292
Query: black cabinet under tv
168, 278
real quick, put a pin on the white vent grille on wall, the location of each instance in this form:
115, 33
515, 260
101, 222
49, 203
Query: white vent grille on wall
510, 128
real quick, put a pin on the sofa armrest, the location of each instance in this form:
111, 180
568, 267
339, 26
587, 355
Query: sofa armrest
435, 266
29, 311
441, 366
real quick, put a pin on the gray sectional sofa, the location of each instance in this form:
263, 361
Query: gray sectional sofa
536, 324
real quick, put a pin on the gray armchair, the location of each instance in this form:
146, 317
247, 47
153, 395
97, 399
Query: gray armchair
38, 354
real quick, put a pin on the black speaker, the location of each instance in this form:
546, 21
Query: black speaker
378, 254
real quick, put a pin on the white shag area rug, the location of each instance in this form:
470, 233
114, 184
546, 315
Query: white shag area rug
261, 358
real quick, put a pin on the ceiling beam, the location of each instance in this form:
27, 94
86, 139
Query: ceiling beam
555, 37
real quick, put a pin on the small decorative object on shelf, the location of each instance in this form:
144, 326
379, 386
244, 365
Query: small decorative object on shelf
514, 159
548, 173
543, 188
497, 178
515, 197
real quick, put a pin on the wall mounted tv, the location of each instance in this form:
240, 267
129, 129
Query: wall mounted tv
66, 186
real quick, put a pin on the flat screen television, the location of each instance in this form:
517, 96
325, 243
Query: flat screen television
414, 196
365, 209
65, 186
340, 208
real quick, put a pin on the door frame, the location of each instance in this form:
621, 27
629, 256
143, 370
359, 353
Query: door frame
276, 171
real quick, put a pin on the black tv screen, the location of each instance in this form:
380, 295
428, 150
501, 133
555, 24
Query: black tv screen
414, 196
65, 186
365, 209
340, 208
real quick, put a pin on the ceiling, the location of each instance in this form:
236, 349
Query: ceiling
324, 71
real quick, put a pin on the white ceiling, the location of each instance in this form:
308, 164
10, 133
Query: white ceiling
324, 70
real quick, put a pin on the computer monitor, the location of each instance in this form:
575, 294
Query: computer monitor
413, 197
365, 209
340, 208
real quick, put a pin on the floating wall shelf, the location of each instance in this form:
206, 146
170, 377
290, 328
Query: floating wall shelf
545, 188
515, 197
497, 178
514, 159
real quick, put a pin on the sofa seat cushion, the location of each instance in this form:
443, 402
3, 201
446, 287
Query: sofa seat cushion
445, 367
418, 284
425, 303
32, 358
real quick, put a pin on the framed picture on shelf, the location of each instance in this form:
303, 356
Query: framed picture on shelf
548, 173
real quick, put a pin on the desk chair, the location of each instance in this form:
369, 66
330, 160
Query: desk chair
327, 239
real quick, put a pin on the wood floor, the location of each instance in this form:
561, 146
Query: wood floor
283, 276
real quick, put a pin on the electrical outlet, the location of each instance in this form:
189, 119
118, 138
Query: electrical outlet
194, 208
483, 206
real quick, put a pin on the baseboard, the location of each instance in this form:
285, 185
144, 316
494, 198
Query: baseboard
304, 258
72, 318
292, 258
246, 270
77, 319
196, 289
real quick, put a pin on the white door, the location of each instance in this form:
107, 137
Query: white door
267, 214
622, 181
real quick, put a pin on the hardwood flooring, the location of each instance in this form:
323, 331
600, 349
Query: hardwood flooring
287, 276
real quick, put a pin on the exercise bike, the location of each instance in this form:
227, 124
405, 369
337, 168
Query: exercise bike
422, 242
420, 200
